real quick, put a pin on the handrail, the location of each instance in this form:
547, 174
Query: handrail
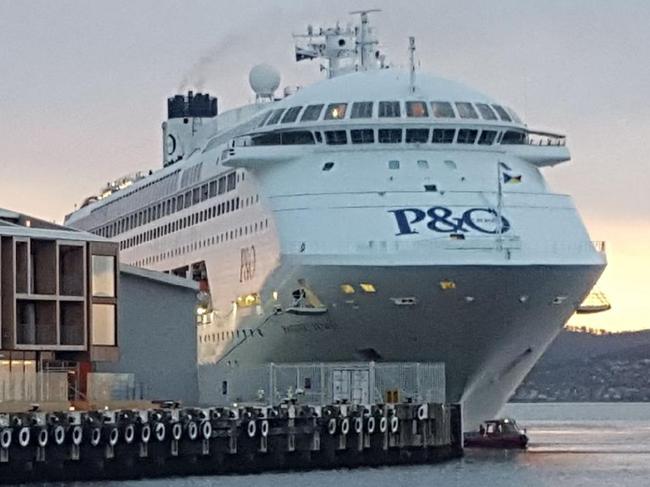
537, 137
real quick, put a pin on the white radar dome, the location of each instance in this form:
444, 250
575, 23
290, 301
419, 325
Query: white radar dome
264, 80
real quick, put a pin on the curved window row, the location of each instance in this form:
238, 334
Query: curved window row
387, 136
390, 109
185, 199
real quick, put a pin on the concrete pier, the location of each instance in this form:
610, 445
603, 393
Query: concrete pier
130, 444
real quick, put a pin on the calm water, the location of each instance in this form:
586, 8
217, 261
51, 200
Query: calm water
570, 445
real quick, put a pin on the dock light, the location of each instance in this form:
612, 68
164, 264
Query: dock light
200, 310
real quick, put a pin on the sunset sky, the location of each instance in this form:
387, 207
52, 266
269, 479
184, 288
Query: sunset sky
83, 89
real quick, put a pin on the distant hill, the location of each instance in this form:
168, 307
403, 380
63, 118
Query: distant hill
582, 366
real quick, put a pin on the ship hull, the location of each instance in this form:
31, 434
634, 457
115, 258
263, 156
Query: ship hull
489, 326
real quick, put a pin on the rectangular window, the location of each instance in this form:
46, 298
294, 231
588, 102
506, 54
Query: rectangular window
291, 115
442, 109
275, 117
103, 276
361, 109
417, 136
301, 137
466, 110
196, 195
390, 136
179, 202
503, 115
486, 112
213, 188
335, 111
443, 136
362, 136
467, 136
103, 324
188, 199
336, 137
513, 137
487, 137
231, 181
389, 109
416, 109
204, 192
311, 113
222, 184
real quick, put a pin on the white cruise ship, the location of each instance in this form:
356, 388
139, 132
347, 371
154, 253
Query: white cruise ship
377, 215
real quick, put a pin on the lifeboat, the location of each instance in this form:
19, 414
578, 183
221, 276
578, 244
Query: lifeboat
497, 433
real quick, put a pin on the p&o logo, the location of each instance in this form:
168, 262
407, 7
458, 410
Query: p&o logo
443, 220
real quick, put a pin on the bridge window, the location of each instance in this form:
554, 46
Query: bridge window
291, 115
265, 118
467, 136
362, 136
301, 137
443, 136
466, 110
361, 109
513, 137
311, 113
416, 109
272, 138
503, 115
336, 137
442, 109
487, 137
389, 109
319, 137
390, 136
486, 111
417, 136
335, 111
273, 119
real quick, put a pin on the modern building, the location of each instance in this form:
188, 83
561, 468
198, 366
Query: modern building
157, 335
58, 308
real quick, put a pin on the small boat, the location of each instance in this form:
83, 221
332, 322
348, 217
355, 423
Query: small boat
497, 433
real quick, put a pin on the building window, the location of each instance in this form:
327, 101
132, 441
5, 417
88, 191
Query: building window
103, 278
416, 109
103, 325
361, 109
311, 113
335, 111
389, 109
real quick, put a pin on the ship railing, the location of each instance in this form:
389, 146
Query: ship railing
536, 137
599, 245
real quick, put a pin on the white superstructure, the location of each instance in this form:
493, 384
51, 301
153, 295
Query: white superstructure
376, 215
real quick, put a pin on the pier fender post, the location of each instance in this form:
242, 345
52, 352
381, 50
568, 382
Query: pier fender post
177, 431
58, 433
5, 438
129, 434
160, 431
76, 435
192, 430
251, 428
95, 436
331, 426
42, 437
4, 455
345, 426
